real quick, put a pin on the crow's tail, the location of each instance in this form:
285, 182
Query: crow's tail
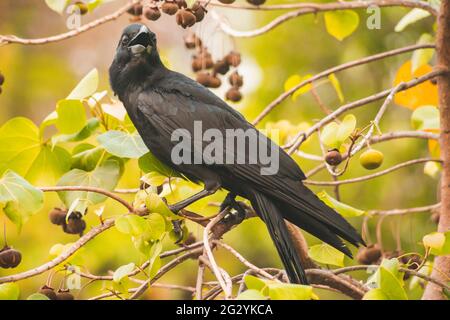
278, 231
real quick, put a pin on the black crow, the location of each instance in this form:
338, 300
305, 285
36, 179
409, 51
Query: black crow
160, 101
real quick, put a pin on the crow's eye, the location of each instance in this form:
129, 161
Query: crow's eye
125, 40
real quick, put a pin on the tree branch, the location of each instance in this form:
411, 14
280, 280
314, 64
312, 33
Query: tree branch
335, 69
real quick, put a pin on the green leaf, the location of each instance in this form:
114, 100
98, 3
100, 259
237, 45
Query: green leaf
153, 179
9, 291
149, 163
19, 200
71, 116
326, 254
341, 24
391, 285
22, 151
104, 176
438, 242
123, 144
86, 156
286, 291
155, 204
155, 260
375, 294
411, 17
337, 86
423, 56
251, 294
131, 224
57, 5
252, 282
343, 209
156, 227
328, 136
123, 272
37, 296
346, 128
86, 87
425, 118
90, 127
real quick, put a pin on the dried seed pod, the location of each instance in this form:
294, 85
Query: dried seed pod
75, 224
152, 13
169, 7
236, 80
49, 292
227, 1
333, 157
191, 41
197, 64
64, 295
57, 216
203, 78
2, 79
233, 58
199, 11
256, 2
185, 18
233, 94
82, 7
214, 82
369, 255
221, 67
182, 4
136, 10
9, 258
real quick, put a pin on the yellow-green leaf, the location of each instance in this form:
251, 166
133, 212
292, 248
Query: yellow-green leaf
343, 209
341, 24
86, 87
326, 254
295, 80
337, 86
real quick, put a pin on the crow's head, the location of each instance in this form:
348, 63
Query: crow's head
136, 57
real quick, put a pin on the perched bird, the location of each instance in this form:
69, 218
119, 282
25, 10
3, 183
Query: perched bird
160, 101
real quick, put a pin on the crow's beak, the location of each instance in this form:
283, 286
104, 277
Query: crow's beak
141, 42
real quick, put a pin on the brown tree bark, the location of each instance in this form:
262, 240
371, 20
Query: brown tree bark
441, 269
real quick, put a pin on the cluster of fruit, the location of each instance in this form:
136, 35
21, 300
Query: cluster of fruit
74, 224
208, 71
369, 159
185, 17
2, 80
61, 294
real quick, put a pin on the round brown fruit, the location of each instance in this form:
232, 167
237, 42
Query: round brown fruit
75, 224
9, 258
203, 78
369, 255
136, 10
221, 67
333, 157
233, 58
199, 11
57, 216
197, 64
169, 7
214, 82
182, 4
64, 295
49, 292
236, 80
227, 1
191, 41
82, 7
371, 159
2, 79
152, 13
256, 2
233, 94
185, 18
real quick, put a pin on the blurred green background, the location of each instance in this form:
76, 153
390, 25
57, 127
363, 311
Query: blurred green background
38, 76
